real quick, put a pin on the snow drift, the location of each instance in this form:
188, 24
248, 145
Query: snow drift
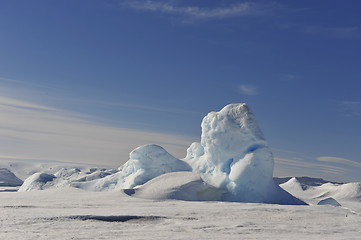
338, 192
187, 186
233, 157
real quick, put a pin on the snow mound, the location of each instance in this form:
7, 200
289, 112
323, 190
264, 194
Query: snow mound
347, 191
8, 178
233, 155
337, 191
179, 185
37, 181
329, 201
146, 162
64, 177
294, 185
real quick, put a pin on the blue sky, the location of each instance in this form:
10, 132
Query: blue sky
122, 73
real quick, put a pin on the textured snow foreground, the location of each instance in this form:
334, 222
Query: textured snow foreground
231, 163
70, 213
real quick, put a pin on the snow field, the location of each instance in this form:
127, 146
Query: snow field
70, 213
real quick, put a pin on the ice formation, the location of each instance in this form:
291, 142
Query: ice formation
37, 181
8, 178
337, 191
62, 177
232, 157
145, 163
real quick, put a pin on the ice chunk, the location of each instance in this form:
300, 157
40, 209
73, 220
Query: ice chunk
233, 155
36, 182
293, 185
8, 178
44, 180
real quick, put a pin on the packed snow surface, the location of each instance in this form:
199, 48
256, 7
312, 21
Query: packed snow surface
179, 185
70, 213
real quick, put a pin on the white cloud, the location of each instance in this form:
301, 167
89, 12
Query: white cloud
31, 131
195, 12
248, 90
339, 160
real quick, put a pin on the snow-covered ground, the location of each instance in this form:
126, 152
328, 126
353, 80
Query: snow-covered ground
78, 214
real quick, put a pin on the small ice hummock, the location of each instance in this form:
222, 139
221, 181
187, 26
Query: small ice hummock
37, 181
145, 163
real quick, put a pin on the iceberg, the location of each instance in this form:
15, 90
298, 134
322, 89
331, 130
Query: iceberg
37, 181
232, 162
234, 155
8, 178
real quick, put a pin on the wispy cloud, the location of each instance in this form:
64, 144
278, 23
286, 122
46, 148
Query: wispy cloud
306, 168
24, 83
288, 77
32, 131
240, 8
351, 108
337, 32
138, 107
27, 90
339, 160
249, 90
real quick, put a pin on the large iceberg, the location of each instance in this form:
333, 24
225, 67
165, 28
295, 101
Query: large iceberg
232, 162
233, 155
